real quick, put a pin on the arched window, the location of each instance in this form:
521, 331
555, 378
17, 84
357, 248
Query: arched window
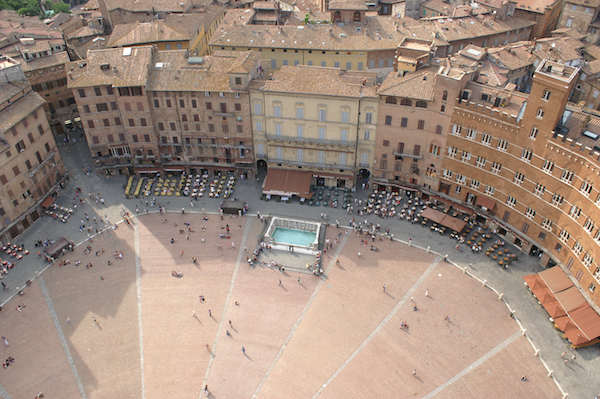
337, 16
356, 16
445, 95
421, 104
391, 100
406, 102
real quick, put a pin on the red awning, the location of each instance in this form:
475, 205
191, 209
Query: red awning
48, 201
287, 182
486, 202
433, 215
462, 209
556, 279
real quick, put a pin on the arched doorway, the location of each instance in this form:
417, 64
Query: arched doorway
261, 170
337, 16
356, 16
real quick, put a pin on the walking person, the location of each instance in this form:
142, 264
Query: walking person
384, 287
243, 350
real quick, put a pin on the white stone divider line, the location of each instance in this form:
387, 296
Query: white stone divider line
382, 324
3, 393
475, 364
61, 335
138, 286
304, 311
227, 300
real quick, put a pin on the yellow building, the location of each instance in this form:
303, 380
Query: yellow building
317, 121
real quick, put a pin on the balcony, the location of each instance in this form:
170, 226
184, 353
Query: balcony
310, 164
311, 140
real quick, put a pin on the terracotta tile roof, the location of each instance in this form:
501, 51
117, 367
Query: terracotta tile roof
348, 5
237, 17
131, 70
172, 71
578, 122
148, 5
448, 9
297, 17
91, 5
492, 75
85, 31
591, 68
511, 58
571, 32
593, 51
472, 27
537, 6
60, 58
474, 52
377, 33
8, 90
585, 3
312, 80
144, 33
558, 48
418, 85
512, 105
18, 110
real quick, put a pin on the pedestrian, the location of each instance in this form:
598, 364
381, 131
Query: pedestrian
94, 318
208, 347
230, 325
206, 389
280, 283
298, 280
232, 244
384, 288
414, 372
209, 313
427, 293
573, 358
228, 333
447, 318
524, 378
243, 350
5, 341
562, 356
68, 319
359, 254
191, 204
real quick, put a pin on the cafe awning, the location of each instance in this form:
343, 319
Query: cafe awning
287, 182
571, 299
486, 202
556, 279
48, 201
462, 209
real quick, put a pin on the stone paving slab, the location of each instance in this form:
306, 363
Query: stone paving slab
106, 354
40, 361
348, 307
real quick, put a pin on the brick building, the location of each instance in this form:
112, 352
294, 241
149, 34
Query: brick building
146, 111
30, 165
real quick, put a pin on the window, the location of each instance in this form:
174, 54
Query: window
194, 103
81, 93
577, 248
447, 174
456, 129
404, 122
417, 150
460, 179
300, 131
471, 134
117, 121
534, 132
586, 188
106, 122
548, 166
438, 129
391, 100
519, 178
526, 155
147, 138
273, 63
86, 109
181, 103
134, 138
511, 201
421, 104
539, 114
443, 108
345, 116
91, 124
575, 212
452, 152
530, 213
102, 107
502, 145
257, 109
172, 126
421, 124
589, 225
348, 66
489, 190
465, 156
277, 111
299, 113
300, 155
156, 104
525, 227
539, 190
486, 139
567, 176
406, 102
445, 95
209, 106
388, 119
496, 167
458, 189
386, 143
475, 184
168, 102
322, 115
546, 95
383, 162
480, 162
434, 149
211, 127
557, 199
369, 117
564, 236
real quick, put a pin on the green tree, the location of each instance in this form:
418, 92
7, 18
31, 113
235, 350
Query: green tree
31, 8
60, 6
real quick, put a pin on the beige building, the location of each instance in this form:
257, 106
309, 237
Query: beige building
146, 111
319, 122
30, 166
579, 15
